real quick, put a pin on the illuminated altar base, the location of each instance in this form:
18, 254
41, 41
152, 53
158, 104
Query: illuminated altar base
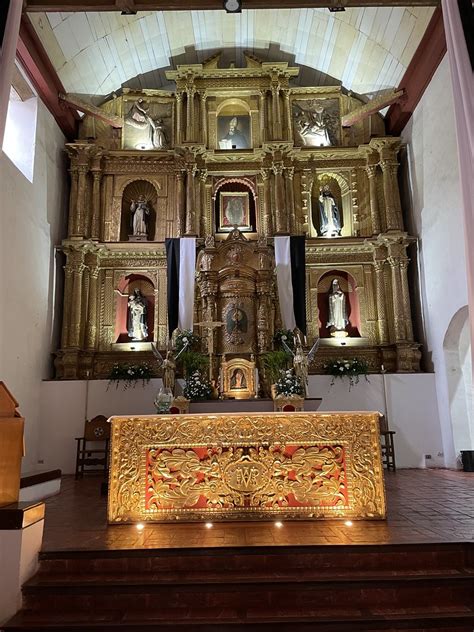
246, 467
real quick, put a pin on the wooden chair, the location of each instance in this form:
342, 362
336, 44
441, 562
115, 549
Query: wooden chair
388, 445
95, 457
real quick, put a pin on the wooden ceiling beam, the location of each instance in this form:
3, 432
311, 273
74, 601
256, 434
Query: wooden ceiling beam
187, 5
373, 106
76, 103
35, 62
418, 75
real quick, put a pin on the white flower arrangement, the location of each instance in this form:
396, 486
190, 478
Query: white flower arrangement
129, 374
289, 384
197, 387
352, 369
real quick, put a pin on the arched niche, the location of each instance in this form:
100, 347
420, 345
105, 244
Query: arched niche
240, 136
244, 189
125, 288
133, 191
457, 354
348, 285
340, 189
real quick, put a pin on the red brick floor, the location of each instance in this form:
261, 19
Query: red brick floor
423, 506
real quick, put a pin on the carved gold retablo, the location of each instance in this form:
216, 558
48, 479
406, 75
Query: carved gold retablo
246, 467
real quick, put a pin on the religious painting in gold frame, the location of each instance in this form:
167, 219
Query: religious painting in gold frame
234, 211
233, 132
238, 378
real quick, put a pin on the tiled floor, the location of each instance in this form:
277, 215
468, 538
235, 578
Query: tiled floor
423, 506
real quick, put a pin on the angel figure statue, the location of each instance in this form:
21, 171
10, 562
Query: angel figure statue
301, 360
168, 366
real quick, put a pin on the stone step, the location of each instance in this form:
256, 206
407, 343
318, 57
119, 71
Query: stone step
400, 592
356, 620
349, 559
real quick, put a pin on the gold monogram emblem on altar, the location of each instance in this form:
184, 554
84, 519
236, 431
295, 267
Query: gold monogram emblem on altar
246, 475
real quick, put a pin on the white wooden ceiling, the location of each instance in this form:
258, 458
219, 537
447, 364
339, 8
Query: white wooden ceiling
365, 49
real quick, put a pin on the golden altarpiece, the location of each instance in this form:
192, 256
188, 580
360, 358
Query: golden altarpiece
234, 147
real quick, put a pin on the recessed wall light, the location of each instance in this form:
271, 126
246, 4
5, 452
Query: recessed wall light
233, 6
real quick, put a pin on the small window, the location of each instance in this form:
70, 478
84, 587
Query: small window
20, 129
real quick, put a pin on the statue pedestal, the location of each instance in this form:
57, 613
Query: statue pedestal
138, 238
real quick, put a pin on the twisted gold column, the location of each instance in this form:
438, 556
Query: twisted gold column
380, 301
371, 171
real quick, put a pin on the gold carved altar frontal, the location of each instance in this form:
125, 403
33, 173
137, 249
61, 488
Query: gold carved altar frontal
246, 467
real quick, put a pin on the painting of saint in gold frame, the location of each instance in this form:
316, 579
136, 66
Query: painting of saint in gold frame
234, 211
233, 132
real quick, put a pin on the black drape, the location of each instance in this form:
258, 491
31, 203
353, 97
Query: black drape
172, 264
298, 279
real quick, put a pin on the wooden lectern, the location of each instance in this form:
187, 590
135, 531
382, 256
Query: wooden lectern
11, 447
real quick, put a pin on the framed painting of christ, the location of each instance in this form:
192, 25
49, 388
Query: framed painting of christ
234, 210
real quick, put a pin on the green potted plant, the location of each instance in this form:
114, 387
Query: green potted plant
274, 362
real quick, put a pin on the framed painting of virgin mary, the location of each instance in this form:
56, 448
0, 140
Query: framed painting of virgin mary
234, 211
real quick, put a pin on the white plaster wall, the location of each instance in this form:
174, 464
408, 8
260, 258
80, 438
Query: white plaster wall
31, 218
19, 551
437, 221
411, 409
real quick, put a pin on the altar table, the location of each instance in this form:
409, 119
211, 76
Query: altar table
246, 466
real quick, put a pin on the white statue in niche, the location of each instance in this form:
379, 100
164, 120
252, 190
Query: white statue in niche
140, 212
329, 216
337, 320
137, 313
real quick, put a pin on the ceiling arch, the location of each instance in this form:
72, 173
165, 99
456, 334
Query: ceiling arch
364, 49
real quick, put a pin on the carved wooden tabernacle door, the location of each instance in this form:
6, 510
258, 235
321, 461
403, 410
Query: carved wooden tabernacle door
236, 286
238, 378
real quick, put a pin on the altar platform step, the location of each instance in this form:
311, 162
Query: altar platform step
386, 587
417, 620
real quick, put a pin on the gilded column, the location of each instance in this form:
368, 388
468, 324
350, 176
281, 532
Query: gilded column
81, 208
190, 113
371, 171
381, 301
180, 203
280, 218
72, 200
406, 298
398, 311
179, 117
201, 224
77, 267
276, 113
204, 117
91, 330
286, 95
267, 205
68, 283
261, 112
190, 205
96, 206
391, 194
290, 199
